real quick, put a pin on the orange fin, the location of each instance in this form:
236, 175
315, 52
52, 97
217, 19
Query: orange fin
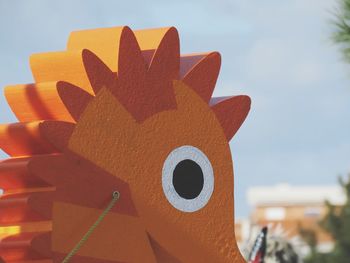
25, 207
22, 139
60, 66
33, 102
25, 246
14, 175
104, 42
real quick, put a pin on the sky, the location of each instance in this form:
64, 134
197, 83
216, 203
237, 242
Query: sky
277, 52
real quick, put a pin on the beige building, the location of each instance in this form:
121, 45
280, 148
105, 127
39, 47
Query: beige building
289, 208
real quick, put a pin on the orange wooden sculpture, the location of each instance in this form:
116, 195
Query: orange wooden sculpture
120, 110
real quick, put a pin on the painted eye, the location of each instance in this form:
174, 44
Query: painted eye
187, 178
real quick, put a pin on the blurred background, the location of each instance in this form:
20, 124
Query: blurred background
295, 143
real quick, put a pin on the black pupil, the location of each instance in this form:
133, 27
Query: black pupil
188, 179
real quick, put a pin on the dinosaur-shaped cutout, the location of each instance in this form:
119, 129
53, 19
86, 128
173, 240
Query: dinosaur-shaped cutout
120, 110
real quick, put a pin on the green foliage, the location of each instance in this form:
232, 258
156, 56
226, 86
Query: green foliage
310, 238
337, 224
342, 24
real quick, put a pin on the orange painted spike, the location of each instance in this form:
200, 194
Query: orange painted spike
231, 113
24, 246
33, 102
74, 98
14, 175
60, 66
203, 74
18, 208
23, 139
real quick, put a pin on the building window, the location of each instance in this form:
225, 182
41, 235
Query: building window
275, 213
312, 212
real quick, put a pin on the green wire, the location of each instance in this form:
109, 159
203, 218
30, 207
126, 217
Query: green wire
115, 198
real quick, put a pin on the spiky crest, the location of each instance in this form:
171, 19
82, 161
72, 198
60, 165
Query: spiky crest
138, 68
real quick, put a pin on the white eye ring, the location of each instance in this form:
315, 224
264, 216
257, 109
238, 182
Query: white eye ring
185, 153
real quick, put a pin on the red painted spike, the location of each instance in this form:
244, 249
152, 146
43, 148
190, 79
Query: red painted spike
74, 98
57, 133
158, 94
203, 75
231, 113
148, 55
24, 247
98, 72
188, 61
24, 207
216, 100
14, 174
165, 63
132, 69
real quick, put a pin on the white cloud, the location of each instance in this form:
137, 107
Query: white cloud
308, 73
269, 59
